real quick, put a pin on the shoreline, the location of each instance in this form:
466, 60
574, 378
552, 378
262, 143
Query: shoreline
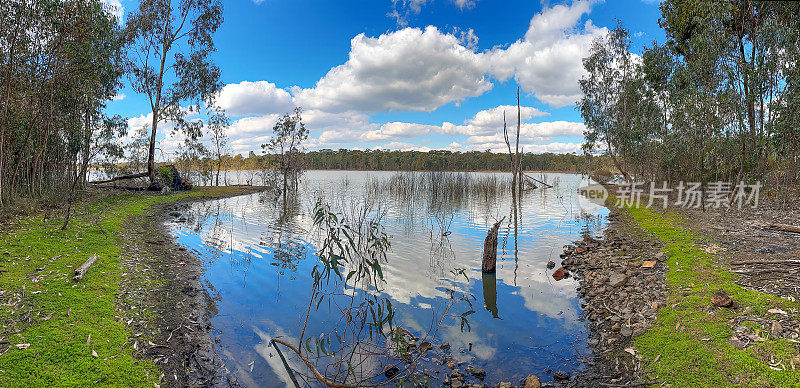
695, 337
646, 288
179, 332
58, 331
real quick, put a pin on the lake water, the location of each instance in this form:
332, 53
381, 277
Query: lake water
258, 256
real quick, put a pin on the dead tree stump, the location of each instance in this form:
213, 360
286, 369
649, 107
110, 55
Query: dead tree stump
489, 262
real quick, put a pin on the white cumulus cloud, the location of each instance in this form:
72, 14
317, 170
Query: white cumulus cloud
406, 70
254, 98
548, 60
535, 132
490, 121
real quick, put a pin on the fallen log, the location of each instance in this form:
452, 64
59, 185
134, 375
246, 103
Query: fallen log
115, 187
489, 262
80, 271
536, 180
784, 227
121, 177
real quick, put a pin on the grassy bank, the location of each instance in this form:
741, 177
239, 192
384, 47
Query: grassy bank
688, 345
63, 333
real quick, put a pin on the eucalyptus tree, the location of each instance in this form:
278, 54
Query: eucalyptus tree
60, 64
171, 43
609, 66
218, 124
784, 107
286, 146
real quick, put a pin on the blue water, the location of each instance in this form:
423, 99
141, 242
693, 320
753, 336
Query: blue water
258, 258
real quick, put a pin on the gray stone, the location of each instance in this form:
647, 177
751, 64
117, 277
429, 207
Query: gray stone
617, 279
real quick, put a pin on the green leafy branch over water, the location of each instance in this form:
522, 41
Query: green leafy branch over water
362, 345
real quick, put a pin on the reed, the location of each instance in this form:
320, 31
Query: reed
440, 186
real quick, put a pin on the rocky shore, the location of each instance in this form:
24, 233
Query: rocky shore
622, 285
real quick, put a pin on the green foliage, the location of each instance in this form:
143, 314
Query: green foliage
165, 175
383, 160
286, 150
170, 61
714, 102
349, 277
61, 63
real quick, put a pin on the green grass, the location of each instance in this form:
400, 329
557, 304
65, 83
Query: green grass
689, 338
37, 258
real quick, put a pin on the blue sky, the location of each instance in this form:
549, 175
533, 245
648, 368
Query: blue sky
409, 74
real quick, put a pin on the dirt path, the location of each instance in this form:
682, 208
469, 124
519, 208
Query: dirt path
768, 260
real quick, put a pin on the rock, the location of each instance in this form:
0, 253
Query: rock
503, 385
532, 382
551, 264
391, 372
649, 264
560, 274
661, 256
626, 331
445, 346
777, 329
737, 343
457, 380
451, 365
617, 279
477, 373
561, 375
721, 299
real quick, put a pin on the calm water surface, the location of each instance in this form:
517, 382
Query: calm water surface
258, 256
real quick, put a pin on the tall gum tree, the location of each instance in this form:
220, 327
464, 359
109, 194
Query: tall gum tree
169, 61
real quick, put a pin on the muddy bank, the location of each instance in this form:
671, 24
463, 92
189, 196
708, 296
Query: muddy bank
163, 302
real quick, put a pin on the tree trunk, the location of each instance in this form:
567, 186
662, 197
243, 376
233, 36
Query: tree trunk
489, 262
617, 165
6, 103
784, 227
121, 177
219, 167
87, 139
151, 168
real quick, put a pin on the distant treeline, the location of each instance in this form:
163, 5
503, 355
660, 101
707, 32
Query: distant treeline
440, 160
